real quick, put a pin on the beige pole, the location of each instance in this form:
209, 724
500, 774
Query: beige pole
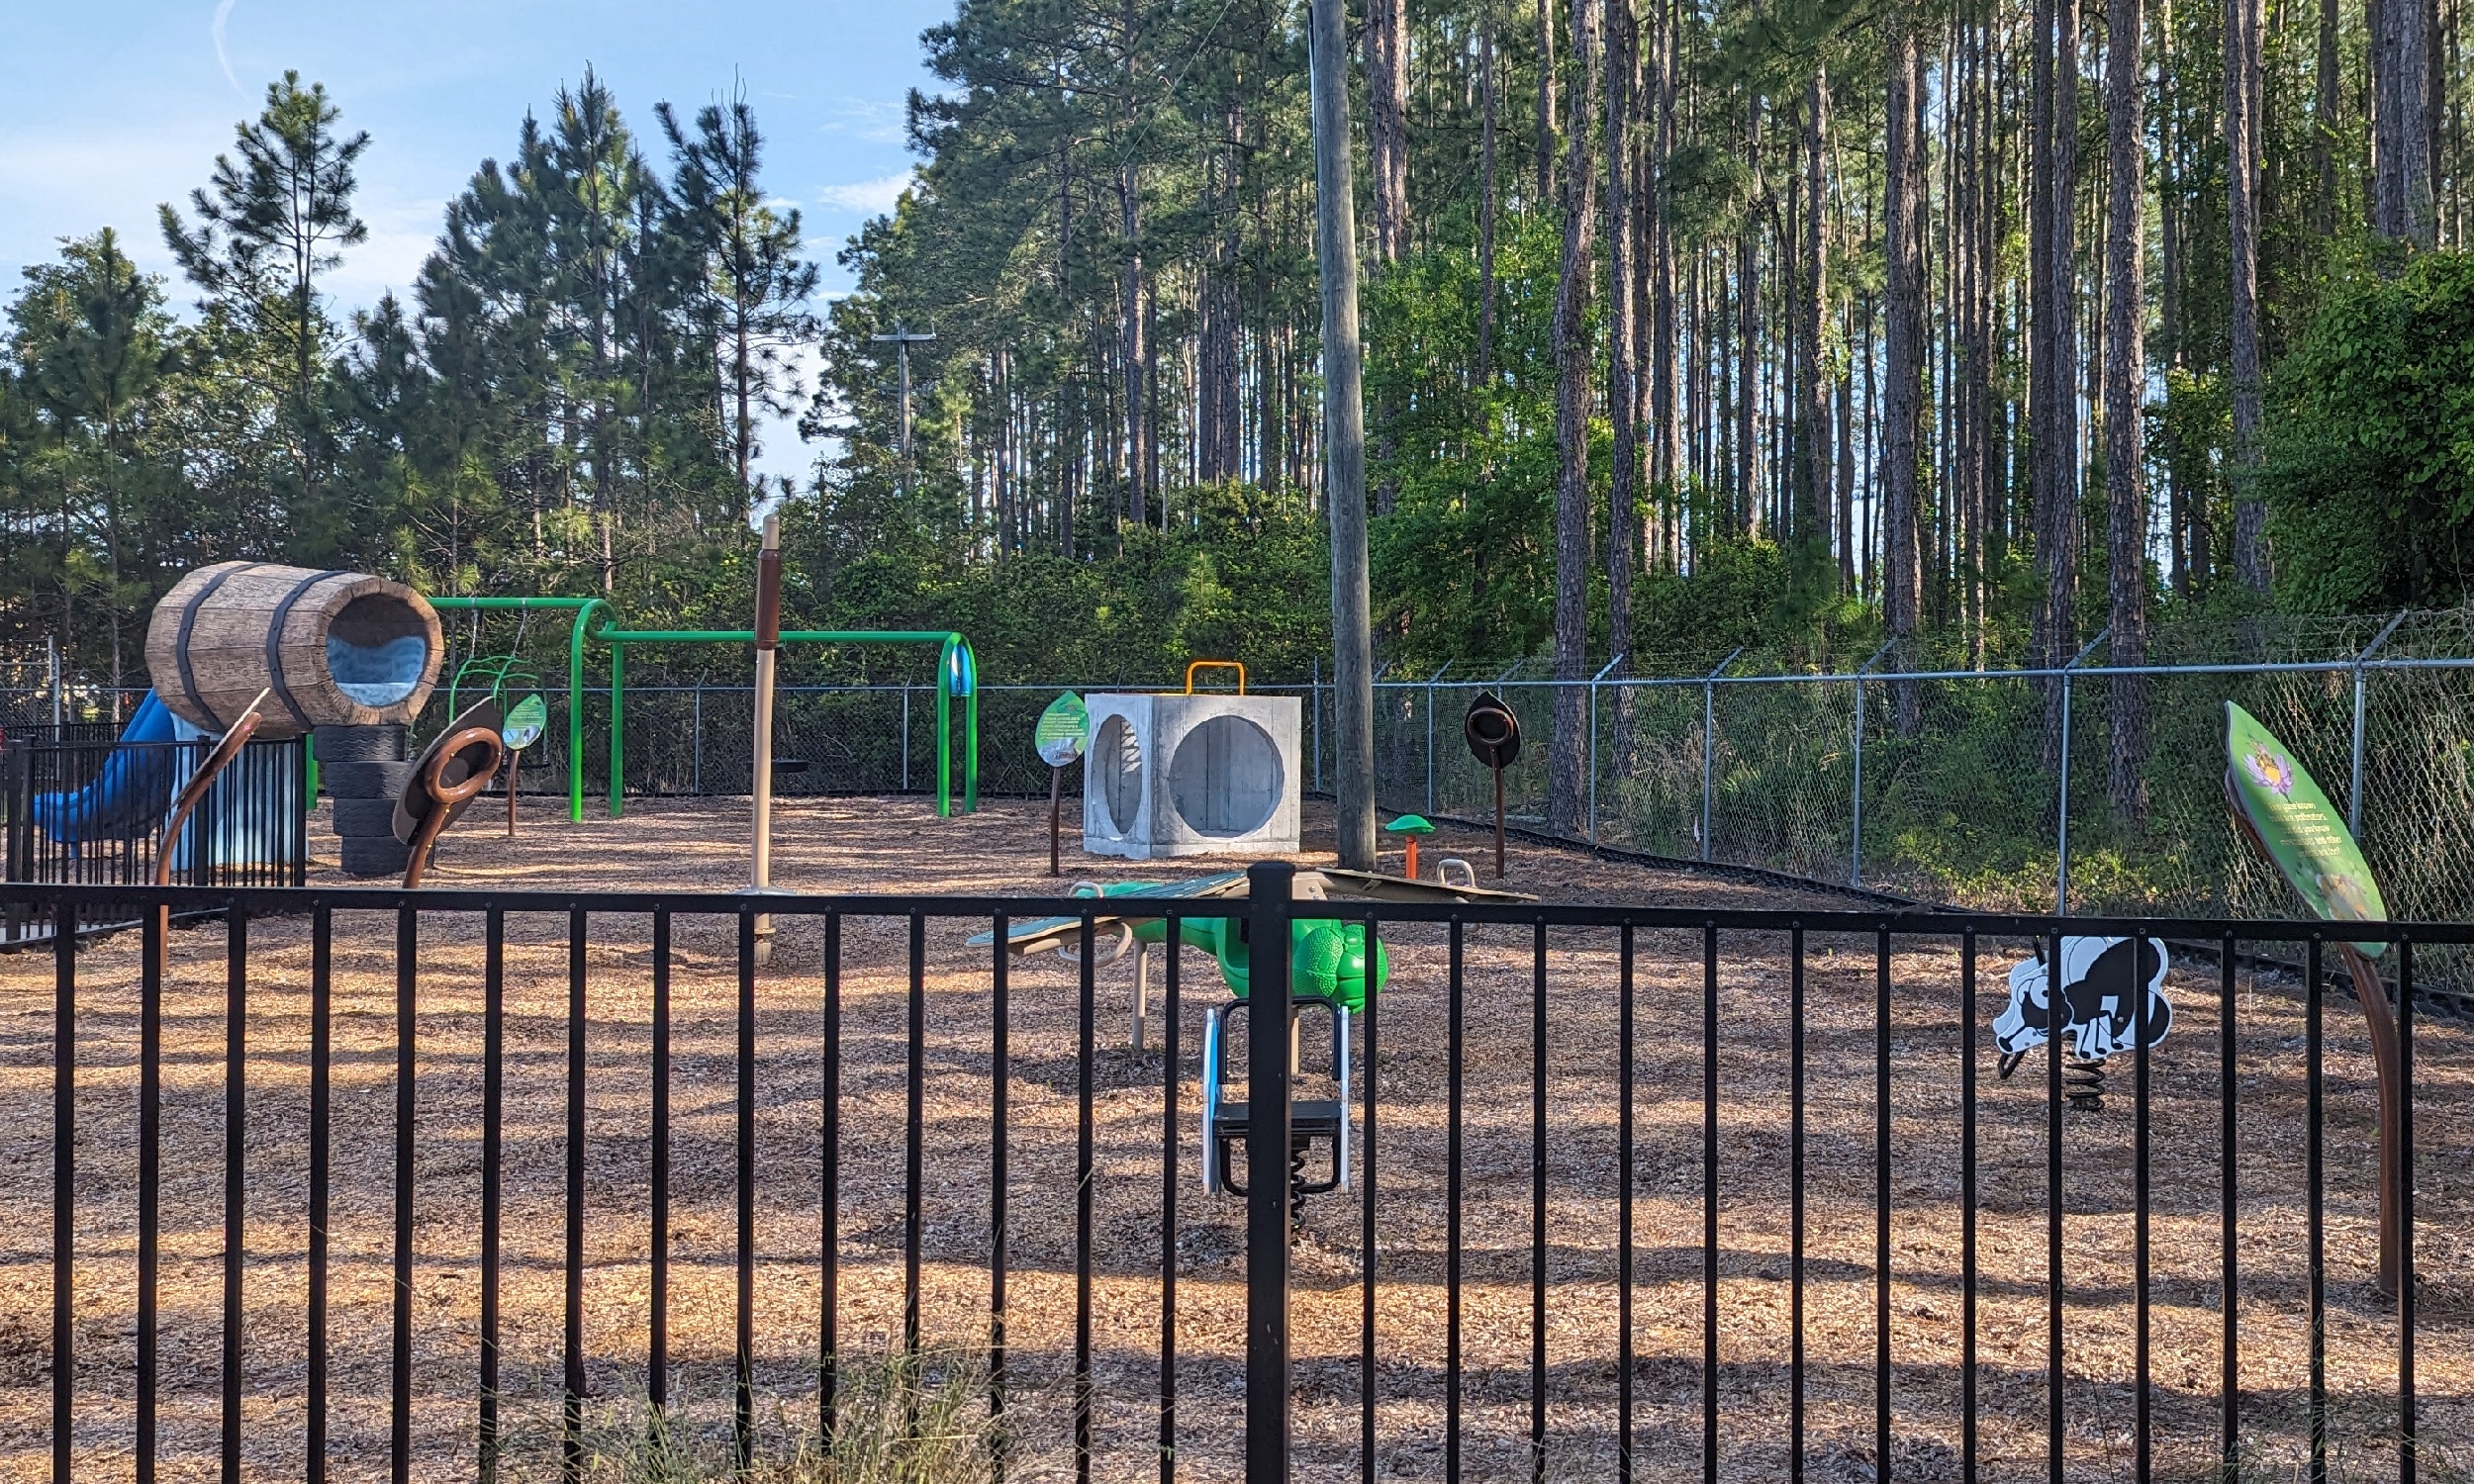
768, 641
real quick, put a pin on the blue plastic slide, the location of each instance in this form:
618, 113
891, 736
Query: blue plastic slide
132, 790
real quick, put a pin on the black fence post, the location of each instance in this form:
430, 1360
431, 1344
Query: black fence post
1267, 1010
17, 780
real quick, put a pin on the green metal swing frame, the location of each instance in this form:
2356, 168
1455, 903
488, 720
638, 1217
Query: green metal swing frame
957, 670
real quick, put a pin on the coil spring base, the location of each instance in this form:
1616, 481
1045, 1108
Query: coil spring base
2083, 1084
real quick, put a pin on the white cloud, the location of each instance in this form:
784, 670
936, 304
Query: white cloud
223, 13
868, 198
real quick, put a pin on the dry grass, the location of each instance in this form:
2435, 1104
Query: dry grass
859, 845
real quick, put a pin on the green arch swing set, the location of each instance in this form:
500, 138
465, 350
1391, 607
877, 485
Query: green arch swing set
957, 679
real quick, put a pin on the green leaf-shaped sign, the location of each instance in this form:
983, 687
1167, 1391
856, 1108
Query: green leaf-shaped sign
2297, 826
525, 721
1064, 730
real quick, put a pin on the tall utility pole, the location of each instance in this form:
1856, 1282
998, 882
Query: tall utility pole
1344, 438
901, 340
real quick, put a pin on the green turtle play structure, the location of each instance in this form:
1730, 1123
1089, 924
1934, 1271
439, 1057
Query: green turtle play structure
957, 679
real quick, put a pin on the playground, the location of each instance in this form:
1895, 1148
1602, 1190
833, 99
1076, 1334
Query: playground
899, 847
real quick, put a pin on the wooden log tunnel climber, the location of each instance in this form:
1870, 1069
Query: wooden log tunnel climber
326, 648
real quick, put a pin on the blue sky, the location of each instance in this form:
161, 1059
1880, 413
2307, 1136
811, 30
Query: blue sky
109, 106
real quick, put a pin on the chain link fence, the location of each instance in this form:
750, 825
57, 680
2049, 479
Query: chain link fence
1926, 771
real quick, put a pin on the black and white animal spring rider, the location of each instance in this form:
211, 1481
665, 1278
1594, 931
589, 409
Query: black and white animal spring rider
2102, 982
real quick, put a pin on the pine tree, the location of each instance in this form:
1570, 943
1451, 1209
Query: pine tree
268, 225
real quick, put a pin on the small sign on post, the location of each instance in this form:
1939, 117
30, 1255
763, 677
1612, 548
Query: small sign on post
1493, 734
526, 720
1064, 731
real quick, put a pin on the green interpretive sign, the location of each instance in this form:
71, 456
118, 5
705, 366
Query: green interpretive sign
2296, 827
525, 721
1064, 730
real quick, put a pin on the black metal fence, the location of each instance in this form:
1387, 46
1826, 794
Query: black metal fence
77, 806
501, 1184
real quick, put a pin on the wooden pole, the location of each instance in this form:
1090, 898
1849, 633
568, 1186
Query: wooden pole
768, 642
1344, 438
1498, 824
2372, 992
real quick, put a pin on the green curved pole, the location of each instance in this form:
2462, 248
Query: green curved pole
618, 721
577, 633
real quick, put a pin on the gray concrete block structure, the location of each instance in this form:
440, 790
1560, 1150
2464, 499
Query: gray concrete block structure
1192, 775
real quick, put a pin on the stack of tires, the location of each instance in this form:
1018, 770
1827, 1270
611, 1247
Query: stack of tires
364, 772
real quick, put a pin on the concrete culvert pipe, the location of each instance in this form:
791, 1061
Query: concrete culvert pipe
332, 648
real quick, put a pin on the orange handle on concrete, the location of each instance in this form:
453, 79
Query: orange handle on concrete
1235, 665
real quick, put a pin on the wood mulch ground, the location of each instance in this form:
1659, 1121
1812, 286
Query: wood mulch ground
896, 845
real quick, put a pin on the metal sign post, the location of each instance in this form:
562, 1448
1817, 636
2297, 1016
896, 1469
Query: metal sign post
1064, 731
1493, 734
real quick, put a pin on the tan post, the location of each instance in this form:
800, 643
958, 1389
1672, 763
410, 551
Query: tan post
768, 643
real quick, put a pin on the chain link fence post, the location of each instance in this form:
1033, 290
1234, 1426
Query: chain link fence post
2061, 809
2353, 800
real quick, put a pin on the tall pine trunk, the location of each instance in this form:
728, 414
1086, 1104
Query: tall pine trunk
2401, 121
1814, 485
1623, 522
1566, 774
2241, 69
1902, 600
1387, 123
1486, 104
2126, 379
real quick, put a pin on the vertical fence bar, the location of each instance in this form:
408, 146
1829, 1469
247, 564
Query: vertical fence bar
830, 1179
2229, 1395
64, 1214
1314, 703
2353, 799
915, 1134
1365, 1214
1856, 795
657, 1343
1169, 1078
903, 747
1430, 743
2315, 1179
571, 1385
2061, 809
1883, 1381
1536, 1203
1270, 887
744, 1343
1967, 1403
1623, 1204
2142, 1410
1709, 1203
1709, 751
150, 1193
1593, 762
2061, 819
2409, 1438
321, 1116
1796, 1205
407, 1030
492, 1170
1455, 1057
235, 1174
1085, 1053
2055, 1445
